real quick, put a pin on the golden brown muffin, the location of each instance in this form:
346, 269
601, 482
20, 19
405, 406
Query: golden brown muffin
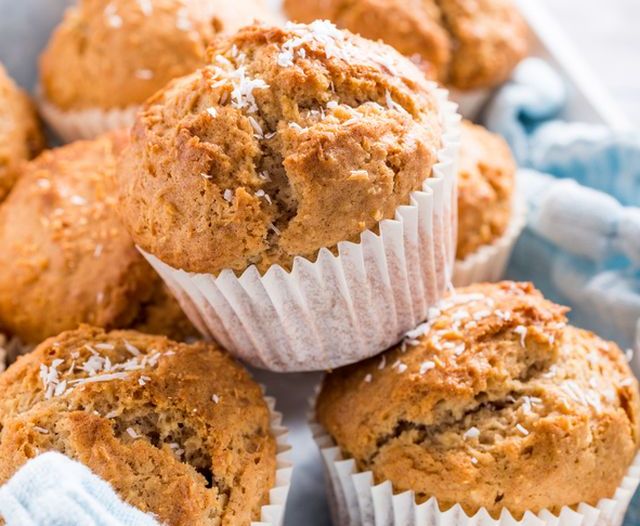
178, 430
289, 141
495, 402
469, 43
20, 134
67, 259
486, 181
116, 53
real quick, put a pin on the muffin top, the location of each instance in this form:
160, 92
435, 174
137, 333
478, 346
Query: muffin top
20, 134
495, 402
486, 180
290, 140
103, 46
469, 43
156, 419
67, 259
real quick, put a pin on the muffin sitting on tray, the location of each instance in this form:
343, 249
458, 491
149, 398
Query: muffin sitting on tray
291, 143
65, 257
469, 45
108, 56
20, 135
156, 419
496, 404
490, 217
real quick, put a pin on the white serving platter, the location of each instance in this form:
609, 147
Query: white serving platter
24, 29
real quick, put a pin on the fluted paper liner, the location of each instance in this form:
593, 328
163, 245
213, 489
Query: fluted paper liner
74, 125
355, 499
272, 514
339, 309
489, 262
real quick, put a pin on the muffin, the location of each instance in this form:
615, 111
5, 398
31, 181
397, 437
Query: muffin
20, 134
490, 217
156, 419
108, 56
289, 144
494, 404
469, 44
66, 259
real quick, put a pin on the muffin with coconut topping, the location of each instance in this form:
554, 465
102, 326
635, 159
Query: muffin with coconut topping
107, 56
20, 134
67, 259
469, 44
494, 403
156, 419
289, 141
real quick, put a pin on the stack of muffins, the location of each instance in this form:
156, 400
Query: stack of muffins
301, 198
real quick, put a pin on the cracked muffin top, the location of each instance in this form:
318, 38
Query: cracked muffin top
156, 419
469, 44
495, 402
66, 257
290, 140
20, 134
486, 183
103, 46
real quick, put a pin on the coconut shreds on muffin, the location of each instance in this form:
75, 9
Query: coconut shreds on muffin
158, 420
469, 44
290, 140
20, 134
486, 183
66, 258
493, 403
116, 53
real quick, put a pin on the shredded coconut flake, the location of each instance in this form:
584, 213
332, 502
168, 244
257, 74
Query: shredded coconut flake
144, 74
215, 399
228, 195
131, 432
522, 429
522, 331
427, 366
472, 432
368, 378
146, 7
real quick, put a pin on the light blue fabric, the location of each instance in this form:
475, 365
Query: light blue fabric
52, 490
582, 186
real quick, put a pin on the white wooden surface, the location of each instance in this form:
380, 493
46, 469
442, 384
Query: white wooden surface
608, 36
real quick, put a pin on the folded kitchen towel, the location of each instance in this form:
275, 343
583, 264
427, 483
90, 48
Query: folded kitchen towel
582, 185
53, 490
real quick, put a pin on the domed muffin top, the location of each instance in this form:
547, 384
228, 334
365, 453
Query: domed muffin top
486, 181
116, 53
20, 134
469, 44
495, 402
156, 419
66, 257
290, 140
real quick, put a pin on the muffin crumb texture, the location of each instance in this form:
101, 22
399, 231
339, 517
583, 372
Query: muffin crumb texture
156, 419
486, 184
102, 46
467, 44
495, 402
66, 257
20, 134
291, 139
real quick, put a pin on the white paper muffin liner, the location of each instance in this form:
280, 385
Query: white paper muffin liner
272, 514
85, 124
355, 499
338, 309
489, 262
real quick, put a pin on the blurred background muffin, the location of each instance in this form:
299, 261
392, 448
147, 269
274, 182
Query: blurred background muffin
494, 403
180, 431
107, 56
65, 257
490, 216
20, 134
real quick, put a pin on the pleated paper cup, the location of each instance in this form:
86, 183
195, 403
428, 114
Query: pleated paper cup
489, 262
338, 309
85, 124
272, 514
356, 500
